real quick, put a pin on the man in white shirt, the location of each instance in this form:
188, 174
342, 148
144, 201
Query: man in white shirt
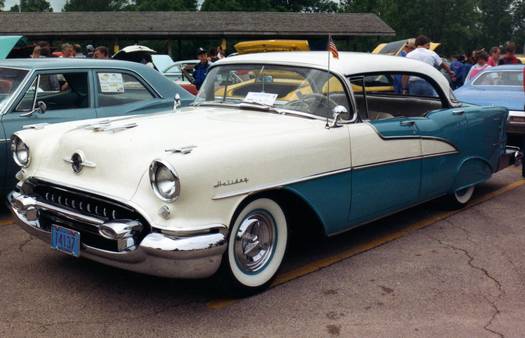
417, 86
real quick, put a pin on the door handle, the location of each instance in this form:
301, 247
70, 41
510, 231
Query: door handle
458, 112
407, 123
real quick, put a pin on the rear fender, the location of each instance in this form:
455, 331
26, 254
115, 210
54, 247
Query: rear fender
472, 171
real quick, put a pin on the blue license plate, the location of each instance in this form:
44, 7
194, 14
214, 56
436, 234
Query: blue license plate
65, 240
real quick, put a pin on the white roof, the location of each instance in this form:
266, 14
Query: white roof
349, 63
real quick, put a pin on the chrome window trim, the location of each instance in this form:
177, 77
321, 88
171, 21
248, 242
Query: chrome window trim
17, 92
341, 77
489, 70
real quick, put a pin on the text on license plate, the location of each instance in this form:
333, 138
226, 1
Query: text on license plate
65, 240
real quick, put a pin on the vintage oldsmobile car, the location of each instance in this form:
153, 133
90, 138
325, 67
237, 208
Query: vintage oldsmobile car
74, 89
218, 186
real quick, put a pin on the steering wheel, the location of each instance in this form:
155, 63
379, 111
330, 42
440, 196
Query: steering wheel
312, 103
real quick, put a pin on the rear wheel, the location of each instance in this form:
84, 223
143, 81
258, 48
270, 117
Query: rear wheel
256, 246
461, 197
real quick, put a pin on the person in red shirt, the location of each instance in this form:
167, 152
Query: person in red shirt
494, 56
510, 55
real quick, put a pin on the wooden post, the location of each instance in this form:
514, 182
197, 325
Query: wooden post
170, 47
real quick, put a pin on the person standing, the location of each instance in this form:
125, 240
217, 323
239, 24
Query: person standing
36, 52
417, 86
494, 56
101, 52
510, 55
482, 59
68, 51
201, 69
409, 46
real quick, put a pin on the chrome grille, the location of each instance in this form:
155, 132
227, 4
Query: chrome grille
81, 202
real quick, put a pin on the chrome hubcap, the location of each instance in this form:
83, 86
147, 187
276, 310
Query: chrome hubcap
255, 241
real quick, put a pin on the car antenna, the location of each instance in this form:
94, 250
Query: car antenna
331, 48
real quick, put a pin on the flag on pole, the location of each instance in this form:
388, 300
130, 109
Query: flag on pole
332, 48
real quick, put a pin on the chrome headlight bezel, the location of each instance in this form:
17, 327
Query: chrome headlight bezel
18, 147
167, 169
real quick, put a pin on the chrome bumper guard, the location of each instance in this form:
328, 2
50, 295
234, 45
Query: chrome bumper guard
195, 256
512, 156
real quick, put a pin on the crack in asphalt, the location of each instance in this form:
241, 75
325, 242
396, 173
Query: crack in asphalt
24, 243
486, 273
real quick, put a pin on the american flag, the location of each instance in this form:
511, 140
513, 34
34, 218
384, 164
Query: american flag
331, 47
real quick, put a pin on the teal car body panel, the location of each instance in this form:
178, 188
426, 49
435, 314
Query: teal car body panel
362, 194
161, 89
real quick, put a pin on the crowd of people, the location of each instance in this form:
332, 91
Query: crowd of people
462, 68
43, 49
467, 67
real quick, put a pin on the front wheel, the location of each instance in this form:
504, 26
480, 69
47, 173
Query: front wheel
256, 246
461, 197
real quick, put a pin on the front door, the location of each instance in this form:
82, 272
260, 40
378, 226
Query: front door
386, 167
67, 96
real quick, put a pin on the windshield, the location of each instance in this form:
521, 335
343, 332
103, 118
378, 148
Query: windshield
305, 90
503, 78
10, 80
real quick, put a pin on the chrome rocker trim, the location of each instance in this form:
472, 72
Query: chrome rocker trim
158, 254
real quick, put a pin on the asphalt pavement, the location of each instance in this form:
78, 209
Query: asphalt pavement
425, 272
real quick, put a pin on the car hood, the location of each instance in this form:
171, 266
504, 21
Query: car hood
510, 99
120, 150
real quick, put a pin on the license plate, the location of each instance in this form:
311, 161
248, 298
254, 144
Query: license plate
65, 240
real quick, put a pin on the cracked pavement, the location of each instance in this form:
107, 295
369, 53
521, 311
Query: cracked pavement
463, 276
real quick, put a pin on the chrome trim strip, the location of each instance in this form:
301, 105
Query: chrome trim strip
279, 185
329, 173
2, 140
405, 159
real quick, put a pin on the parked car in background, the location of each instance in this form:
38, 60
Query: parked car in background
37, 91
500, 86
219, 185
266, 46
15, 46
394, 48
184, 79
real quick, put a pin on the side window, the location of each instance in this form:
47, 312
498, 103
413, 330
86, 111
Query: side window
58, 91
392, 95
115, 89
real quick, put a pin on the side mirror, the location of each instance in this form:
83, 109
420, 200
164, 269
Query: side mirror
336, 113
176, 102
40, 108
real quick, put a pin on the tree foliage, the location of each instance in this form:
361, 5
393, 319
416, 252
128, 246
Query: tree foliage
166, 5
270, 5
96, 5
458, 25
32, 6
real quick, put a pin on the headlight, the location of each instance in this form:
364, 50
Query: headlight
20, 151
164, 181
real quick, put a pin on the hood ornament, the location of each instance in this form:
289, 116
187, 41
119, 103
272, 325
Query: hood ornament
78, 162
109, 127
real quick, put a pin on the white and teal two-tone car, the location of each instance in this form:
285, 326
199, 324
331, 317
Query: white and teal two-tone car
274, 141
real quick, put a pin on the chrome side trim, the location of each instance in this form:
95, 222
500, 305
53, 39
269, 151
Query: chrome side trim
278, 185
3, 140
405, 159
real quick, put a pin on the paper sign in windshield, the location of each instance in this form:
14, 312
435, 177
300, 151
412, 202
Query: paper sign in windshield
111, 83
267, 99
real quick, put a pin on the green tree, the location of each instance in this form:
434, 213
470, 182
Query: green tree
32, 6
96, 5
271, 5
496, 21
519, 22
166, 5
2, 3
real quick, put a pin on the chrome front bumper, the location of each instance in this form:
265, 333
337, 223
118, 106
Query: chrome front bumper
196, 256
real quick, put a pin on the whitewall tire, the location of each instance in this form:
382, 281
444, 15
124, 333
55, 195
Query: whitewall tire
256, 245
461, 197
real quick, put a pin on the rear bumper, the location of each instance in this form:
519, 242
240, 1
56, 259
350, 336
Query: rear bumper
157, 254
516, 123
512, 156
